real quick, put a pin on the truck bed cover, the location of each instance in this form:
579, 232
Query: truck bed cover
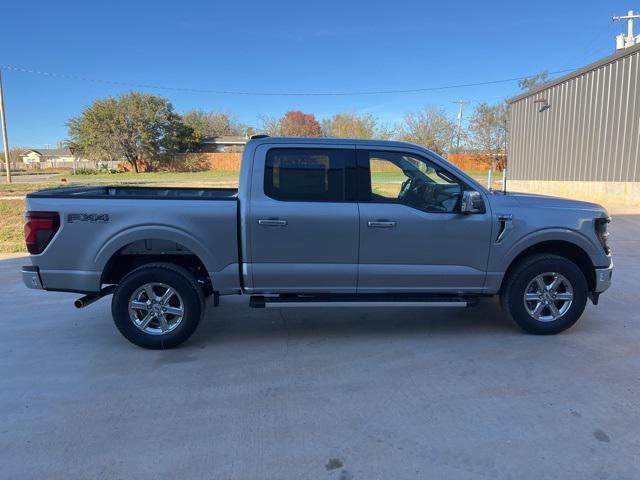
115, 192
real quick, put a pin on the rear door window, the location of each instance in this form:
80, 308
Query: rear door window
312, 175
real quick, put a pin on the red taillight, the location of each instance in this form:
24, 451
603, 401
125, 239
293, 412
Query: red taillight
40, 229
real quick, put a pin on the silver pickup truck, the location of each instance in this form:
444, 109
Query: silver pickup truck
318, 222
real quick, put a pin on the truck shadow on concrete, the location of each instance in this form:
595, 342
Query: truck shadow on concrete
233, 321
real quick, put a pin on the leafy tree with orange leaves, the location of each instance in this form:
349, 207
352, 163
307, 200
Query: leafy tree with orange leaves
294, 123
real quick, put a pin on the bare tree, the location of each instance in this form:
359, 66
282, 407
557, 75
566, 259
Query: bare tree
353, 125
15, 157
534, 81
488, 130
270, 125
211, 124
431, 127
15, 154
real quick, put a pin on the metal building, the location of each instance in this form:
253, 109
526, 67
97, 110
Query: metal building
579, 135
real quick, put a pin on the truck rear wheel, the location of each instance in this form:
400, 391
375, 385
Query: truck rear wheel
545, 294
157, 306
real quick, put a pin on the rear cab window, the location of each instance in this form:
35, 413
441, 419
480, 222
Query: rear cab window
310, 174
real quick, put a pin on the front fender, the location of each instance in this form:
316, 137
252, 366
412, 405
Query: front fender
501, 262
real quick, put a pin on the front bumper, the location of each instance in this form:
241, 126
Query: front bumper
603, 278
31, 277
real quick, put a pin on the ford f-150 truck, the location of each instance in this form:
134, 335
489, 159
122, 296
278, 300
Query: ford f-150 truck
318, 222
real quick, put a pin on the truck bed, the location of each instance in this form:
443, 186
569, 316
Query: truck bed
136, 192
98, 222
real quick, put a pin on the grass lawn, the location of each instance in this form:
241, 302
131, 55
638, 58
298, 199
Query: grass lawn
11, 226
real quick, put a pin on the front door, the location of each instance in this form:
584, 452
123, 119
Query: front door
413, 237
303, 219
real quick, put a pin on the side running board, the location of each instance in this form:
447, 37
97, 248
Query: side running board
259, 301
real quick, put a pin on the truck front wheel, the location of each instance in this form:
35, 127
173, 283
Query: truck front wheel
545, 294
157, 306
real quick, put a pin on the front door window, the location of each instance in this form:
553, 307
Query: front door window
414, 181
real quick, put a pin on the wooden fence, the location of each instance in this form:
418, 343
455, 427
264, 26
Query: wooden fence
475, 161
230, 162
215, 161
223, 161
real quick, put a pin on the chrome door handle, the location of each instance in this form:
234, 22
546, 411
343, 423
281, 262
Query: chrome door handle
270, 222
381, 224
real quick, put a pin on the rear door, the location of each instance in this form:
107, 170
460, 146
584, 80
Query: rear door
413, 237
303, 219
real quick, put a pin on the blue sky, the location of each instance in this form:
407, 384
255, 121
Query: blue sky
286, 47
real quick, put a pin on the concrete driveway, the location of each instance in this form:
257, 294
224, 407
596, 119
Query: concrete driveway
323, 394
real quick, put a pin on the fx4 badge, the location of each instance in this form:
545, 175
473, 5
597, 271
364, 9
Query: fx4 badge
88, 217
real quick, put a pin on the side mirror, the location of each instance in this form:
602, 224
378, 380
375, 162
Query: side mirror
472, 202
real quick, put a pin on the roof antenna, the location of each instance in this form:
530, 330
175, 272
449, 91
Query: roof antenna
506, 157
504, 179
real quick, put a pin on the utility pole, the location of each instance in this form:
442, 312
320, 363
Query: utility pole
630, 40
5, 142
461, 104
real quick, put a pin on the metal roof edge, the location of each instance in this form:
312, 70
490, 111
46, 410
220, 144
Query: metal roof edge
576, 73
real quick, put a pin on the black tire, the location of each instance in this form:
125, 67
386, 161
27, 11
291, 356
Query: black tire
190, 297
526, 271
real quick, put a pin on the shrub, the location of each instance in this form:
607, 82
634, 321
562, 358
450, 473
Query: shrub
85, 171
182, 162
192, 163
95, 171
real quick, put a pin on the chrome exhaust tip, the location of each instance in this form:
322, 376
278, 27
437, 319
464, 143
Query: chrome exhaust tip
93, 297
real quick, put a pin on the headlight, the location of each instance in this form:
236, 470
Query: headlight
602, 232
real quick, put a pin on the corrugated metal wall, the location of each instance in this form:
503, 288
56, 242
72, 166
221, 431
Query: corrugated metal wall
590, 132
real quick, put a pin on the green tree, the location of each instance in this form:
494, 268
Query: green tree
430, 127
353, 125
534, 81
132, 127
488, 129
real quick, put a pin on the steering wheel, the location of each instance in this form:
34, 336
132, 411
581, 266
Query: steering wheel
412, 192
403, 188
418, 193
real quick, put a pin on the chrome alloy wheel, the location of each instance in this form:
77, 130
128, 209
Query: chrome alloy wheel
156, 308
548, 297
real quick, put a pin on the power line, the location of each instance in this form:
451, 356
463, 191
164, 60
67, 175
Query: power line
598, 43
264, 93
